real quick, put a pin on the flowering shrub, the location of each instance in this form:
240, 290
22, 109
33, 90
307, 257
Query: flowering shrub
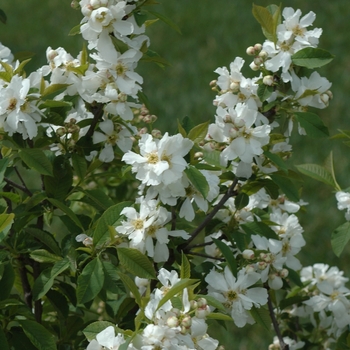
122, 237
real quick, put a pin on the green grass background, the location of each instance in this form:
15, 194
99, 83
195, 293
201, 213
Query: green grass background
213, 34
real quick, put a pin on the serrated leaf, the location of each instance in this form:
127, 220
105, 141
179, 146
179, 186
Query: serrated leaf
340, 237
166, 20
37, 160
90, 282
262, 317
311, 58
43, 256
185, 267
38, 335
228, 255
79, 165
264, 92
136, 263
94, 328
7, 280
175, 289
111, 277
198, 180
58, 204
212, 158
6, 221
265, 19
312, 124
109, 218
297, 299
130, 284
317, 172
45, 238
219, 316
241, 200
286, 186
199, 132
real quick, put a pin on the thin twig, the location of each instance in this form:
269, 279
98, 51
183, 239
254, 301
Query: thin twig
20, 187
28, 298
205, 256
276, 327
97, 111
21, 179
229, 193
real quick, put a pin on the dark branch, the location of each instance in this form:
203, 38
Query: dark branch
20, 187
229, 193
97, 111
276, 327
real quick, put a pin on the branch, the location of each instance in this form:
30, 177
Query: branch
20, 187
206, 256
97, 111
229, 193
275, 324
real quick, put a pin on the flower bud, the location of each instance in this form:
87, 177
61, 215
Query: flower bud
251, 51
257, 47
213, 83
234, 86
74, 4
262, 265
172, 321
198, 155
268, 80
258, 61
254, 67
202, 302
248, 254
249, 269
156, 133
193, 305
325, 98
202, 312
284, 273
51, 55
61, 131
186, 322
330, 94
263, 54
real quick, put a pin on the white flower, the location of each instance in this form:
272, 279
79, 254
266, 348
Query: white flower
235, 293
159, 161
343, 199
107, 340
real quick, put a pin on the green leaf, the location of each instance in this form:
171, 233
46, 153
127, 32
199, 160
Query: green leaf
266, 20
175, 289
264, 92
259, 228
75, 30
119, 45
136, 263
111, 277
90, 282
228, 255
109, 218
317, 172
199, 132
241, 200
98, 199
212, 158
312, 124
213, 302
94, 328
38, 335
297, 299
286, 186
3, 17
185, 267
53, 90
55, 104
166, 20
79, 165
262, 317
46, 279
198, 180
36, 159
67, 211
130, 284
277, 160
311, 58
151, 56
181, 130
340, 237
43, 256
6, 221
7, 281
219, 316
3, 166
3, 340
329, 165
45, 238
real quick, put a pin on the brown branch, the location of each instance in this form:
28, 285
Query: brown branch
275, 324
229, 193
20, 187
97, 111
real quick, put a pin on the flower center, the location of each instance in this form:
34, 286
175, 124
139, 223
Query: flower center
138, 224
12, 104
152, 158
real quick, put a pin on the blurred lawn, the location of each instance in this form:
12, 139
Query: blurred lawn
213, 34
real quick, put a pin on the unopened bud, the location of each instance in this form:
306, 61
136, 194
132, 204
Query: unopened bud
325, 98
254, 67
263, 54
193, 305
248, 254
198, 155
60, 131
172, 321
329, 93
262, 265
284, 273
156, 134
234, 86
202, 302
268, 80
186, 322
74, 4
258, 61
202, 312
249, 269
213, 83
251, 51
51, 55
257, 47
